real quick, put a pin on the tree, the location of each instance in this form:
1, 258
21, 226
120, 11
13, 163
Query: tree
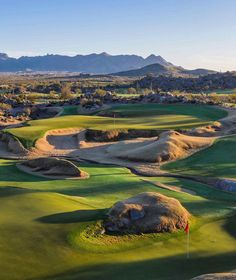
132, 91
100, 92
66, 92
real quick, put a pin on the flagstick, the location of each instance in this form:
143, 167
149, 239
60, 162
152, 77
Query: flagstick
188, 244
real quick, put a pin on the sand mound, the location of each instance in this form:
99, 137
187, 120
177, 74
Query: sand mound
225, 126
52, 167
217, 276
60, 140
171, 145
146, 213
10, 144
207, 131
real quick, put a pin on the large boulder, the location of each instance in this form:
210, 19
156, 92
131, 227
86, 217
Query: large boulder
13, 145
146, 213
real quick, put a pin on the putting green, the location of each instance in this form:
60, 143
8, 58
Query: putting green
215, 161
146, 116
45, 224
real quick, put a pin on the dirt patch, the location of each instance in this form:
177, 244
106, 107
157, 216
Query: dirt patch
11, 122
146, 213
52, 168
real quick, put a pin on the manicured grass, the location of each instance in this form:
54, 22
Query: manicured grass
49, 227
216, 161
198, 111
146, 116
69, 110
44, 226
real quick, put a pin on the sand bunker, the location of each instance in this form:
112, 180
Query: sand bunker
52, 167
146, 213
171, 145
60, 141
217, 276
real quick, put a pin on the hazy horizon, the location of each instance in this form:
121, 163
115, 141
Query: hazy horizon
192, 34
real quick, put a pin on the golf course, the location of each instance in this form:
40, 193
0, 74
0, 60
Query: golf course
53, 228
145, 116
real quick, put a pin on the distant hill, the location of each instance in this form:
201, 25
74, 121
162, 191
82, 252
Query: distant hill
160, 69
203, 83
93, 63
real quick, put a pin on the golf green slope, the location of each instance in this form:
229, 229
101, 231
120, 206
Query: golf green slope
146, 116
48, 229
219, 160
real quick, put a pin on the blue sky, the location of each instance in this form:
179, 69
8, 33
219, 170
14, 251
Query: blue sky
190, 33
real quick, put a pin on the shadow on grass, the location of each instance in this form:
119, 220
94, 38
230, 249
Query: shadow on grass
11, 191
167, 268
74, 217
230, 225
10, 173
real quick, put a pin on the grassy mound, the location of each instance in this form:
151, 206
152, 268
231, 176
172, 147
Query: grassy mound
53, 167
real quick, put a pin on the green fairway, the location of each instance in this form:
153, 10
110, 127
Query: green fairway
223, 91
146, 116
216, 161
198, 111
47, 229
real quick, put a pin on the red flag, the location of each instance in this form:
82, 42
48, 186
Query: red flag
187, 228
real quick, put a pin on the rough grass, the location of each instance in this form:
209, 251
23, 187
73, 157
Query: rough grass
215, 161
146, 116
45, 225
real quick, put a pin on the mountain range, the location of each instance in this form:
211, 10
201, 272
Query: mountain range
93, 63
103, 63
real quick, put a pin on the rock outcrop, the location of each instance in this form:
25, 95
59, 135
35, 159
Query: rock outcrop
148, 212
12, 144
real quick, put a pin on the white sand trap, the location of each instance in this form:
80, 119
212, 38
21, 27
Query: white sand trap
225, 126
170, 146
217, 276
60, 141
